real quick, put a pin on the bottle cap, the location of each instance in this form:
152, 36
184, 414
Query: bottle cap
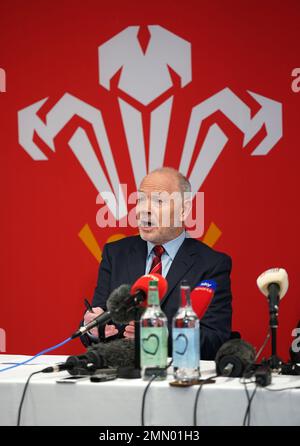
153, 283
184, 283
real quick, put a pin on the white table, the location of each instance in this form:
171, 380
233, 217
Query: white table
118, 402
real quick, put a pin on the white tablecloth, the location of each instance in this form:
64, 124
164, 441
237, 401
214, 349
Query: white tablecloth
118, 402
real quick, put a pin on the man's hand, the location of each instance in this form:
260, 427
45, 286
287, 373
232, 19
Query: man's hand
129, 330
110, 330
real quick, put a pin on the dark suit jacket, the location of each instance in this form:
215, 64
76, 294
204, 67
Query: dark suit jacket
124, 262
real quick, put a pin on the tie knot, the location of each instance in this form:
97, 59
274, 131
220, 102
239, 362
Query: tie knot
158, 250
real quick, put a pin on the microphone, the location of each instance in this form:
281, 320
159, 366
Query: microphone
273, 283
139, 289
57, 368
115, 298
123, 308
201, 296
117, 353
234, 358
123, 302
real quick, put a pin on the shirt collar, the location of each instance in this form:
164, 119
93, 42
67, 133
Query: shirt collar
171, 247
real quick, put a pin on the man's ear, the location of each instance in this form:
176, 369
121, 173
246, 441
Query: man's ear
186, 208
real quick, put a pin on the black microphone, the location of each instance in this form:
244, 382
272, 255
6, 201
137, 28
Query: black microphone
234, 358
57, 368
117, 353
124, 306
123, 303
130, 305
117, 311
80, 363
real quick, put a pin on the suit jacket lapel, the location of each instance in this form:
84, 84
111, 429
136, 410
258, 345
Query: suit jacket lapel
182, 262
137, 259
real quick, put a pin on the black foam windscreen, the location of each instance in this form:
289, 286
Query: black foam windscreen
116, 353
121, 305
233, 357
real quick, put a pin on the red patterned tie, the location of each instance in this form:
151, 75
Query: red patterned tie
156, 263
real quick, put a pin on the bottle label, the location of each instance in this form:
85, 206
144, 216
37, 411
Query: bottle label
186, 347
153, 297
154, 346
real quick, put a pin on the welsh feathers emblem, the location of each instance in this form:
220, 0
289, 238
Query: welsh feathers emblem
145, 83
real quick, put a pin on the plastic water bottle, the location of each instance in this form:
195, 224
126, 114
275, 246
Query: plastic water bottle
154, 337
186, 339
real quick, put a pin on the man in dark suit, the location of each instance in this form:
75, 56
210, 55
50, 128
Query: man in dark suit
172, 253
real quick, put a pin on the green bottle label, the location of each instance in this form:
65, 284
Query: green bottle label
154, 346
153, 297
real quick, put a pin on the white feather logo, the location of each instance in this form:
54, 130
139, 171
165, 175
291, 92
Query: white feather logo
144, 77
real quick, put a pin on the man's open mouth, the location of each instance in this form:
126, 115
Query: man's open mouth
147, 224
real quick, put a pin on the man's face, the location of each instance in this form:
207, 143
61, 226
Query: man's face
159, 217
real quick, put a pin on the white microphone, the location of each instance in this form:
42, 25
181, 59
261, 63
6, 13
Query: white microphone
272, 282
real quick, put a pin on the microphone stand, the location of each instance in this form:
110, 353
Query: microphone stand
274, 361
134, 372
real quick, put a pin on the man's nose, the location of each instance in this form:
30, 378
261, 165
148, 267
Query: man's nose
144, 207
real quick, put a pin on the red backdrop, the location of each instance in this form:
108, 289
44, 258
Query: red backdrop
50, 48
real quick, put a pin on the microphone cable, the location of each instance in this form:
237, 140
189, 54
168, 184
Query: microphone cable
204, 381
264, 344
38, 354
246, 421
247, 416
144, 398
282, 389
23, 396
153, 377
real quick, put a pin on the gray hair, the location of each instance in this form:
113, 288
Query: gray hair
183, 182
